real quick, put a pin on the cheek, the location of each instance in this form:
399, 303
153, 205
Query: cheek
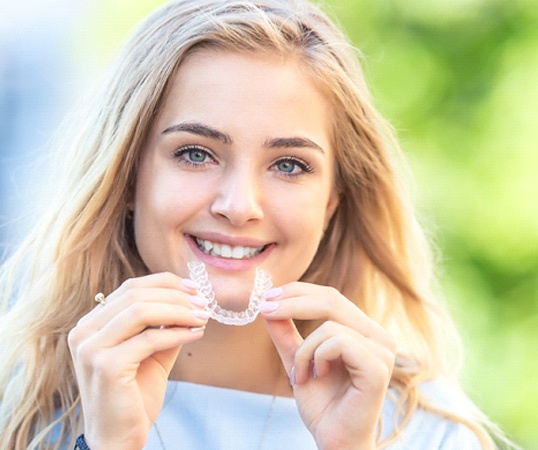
301, 232
165, 196
311, 206
302, 219
161, 207
157, 218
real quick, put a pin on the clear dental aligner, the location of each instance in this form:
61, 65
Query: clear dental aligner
262, 283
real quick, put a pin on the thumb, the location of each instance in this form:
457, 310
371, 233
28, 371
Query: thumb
286, 338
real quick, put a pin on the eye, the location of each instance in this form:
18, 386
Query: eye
286, 166
292, 166
194, 156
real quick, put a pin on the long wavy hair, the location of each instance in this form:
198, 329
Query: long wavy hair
373, 251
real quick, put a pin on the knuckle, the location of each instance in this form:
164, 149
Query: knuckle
128, 284
389, 342
137, 311
388, 369
302, 355
149, 338
85, 353
77, 334
329, 328
73, 338
388, 357
385, 364
332, 291
91, 358
340, 342
102, 366
333, 298
169, 276
392, 343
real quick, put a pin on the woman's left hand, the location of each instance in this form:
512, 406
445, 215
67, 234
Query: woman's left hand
340, 373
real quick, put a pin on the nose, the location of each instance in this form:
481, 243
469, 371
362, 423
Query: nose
238, 199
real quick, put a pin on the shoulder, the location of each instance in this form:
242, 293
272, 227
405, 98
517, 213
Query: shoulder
426, 429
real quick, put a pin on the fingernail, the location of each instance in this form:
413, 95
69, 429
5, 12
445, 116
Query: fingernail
273, 293
189, 284
196, 329
198, 301
292, 376
268, 307
201, 314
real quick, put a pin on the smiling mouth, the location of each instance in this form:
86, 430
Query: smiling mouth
227, 251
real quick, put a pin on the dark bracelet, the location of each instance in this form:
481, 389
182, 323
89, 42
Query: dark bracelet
80, 443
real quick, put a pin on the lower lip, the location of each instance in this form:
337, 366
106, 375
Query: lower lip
228, 264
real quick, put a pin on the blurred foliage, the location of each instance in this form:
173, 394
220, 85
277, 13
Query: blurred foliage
458, 79
459, 82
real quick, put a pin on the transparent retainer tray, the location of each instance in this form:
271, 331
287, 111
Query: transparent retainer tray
262, 283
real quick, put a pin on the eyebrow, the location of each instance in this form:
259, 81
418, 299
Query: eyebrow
201, 129
292, 142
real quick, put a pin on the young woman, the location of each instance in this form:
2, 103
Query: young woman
239, 134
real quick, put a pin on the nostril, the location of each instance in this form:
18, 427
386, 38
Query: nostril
238, 207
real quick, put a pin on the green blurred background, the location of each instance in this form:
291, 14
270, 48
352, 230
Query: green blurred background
458, 79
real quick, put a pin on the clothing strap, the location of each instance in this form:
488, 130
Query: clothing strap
80, 443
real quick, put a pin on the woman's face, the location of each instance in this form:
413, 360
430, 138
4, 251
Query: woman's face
237, 172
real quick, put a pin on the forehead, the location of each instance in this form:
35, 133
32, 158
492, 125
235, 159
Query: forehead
221, 86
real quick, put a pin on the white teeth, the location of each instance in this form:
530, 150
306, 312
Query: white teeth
227, 251
238, 252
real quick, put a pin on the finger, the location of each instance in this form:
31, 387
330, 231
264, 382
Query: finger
162, 280
161, 344
287, 340
150, 286
159, 280
305, 301
373, 370
334, 342
165, 280
141, 316
111, 363
118, 303
305, 362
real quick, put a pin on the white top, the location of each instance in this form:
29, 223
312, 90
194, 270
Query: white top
197, 417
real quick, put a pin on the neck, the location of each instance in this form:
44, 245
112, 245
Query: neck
242, 358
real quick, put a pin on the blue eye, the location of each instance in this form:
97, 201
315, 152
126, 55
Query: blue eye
292, 167
286, 166
197, 156
193, 156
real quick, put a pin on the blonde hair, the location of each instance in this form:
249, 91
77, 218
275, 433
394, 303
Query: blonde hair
373, 251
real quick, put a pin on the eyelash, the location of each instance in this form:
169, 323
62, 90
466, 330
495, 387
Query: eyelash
304, 167
181, 155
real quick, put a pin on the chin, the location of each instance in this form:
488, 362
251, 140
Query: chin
231, 296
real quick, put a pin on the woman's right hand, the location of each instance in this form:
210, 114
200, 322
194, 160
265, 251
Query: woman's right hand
123, 353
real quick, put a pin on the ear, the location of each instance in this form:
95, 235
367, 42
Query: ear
332, 204
130, 200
